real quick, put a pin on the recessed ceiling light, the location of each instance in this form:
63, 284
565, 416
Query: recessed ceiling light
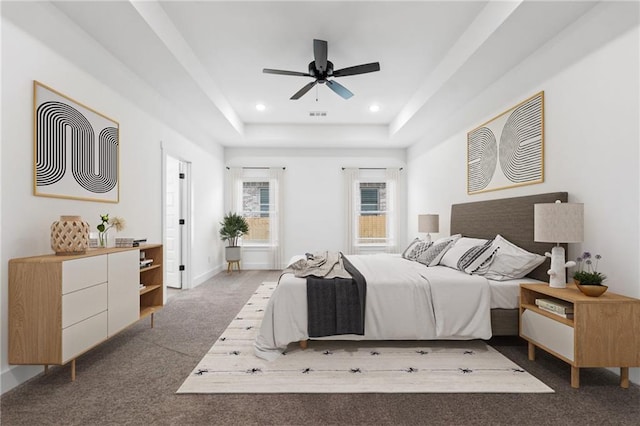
261, 107
374, 108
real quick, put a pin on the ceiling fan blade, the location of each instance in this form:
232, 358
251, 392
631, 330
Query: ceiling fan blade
358, 69
320, 54
282, 72
304, 90
339, 89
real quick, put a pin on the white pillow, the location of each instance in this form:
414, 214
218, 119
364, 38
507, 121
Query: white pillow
510, 261
432, 256
459, 248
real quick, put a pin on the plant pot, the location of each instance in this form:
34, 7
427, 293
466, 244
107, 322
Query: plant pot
594, 290
232, 254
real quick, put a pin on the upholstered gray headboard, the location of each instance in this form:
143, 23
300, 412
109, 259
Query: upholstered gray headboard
510, 217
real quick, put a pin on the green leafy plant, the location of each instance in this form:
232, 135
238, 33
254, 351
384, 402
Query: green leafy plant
232, 227
587, 272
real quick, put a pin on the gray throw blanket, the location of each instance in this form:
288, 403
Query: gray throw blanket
322, 265
337, 305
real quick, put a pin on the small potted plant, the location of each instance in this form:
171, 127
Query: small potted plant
587, 278
232, 227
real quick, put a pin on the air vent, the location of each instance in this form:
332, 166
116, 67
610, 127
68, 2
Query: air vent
317, 113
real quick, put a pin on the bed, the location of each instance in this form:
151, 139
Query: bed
406, 300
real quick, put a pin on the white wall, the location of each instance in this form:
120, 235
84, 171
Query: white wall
314, 204
592, 136
26, 218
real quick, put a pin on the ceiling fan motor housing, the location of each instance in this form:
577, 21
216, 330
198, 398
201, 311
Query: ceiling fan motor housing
321, 76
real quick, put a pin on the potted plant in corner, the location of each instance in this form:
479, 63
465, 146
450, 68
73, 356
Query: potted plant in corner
232, 227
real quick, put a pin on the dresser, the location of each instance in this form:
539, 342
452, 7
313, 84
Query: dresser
62, 306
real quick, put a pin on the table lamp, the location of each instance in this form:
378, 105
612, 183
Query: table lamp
428, 223
558, 223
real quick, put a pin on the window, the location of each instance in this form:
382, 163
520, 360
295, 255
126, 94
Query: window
372, 220
255, 209
372, 216
256, 194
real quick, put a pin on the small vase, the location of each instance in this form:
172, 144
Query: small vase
102, 239
69, 235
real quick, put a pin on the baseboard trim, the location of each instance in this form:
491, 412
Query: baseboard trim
16, 375
207, 275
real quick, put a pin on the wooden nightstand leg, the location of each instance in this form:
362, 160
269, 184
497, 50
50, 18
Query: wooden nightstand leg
73, 370
151, 319
624, 377
532, 352
46, 369
575, 377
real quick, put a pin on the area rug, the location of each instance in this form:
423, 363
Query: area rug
230, 366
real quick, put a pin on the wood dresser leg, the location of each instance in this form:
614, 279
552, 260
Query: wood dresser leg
73, 370
575, 377
532, 352
624, 377
304, 344
46, 369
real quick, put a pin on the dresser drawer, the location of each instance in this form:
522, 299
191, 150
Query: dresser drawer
81, 336
82, 304
554, 335
81, 273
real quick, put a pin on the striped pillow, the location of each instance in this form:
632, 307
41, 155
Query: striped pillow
477, 259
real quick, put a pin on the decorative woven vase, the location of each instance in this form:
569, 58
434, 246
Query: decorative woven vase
69, 235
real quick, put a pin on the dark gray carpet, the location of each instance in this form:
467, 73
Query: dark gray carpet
132, 379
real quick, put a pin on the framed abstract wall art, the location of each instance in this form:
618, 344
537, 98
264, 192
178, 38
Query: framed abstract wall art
76, 149
508, 150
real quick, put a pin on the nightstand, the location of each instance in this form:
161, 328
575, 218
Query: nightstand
604, 331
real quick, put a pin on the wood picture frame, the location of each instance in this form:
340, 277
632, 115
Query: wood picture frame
76, 149
508, 150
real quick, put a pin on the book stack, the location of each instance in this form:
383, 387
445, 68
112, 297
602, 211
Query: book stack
146, 263
138, 241
124, 242
557, 307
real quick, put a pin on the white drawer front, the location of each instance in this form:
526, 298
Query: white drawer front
124, 294
80, 273
83, 335
553, 334
82, 304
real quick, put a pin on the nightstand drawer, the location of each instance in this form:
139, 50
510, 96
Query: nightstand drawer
554, 335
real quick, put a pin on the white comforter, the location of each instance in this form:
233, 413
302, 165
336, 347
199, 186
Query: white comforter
405, 301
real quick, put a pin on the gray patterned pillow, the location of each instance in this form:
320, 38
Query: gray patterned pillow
434, 253
412, 245
477, 259
419, 249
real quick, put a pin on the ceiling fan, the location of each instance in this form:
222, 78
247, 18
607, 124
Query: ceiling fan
321, 69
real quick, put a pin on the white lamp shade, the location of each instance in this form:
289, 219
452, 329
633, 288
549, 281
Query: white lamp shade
428, 223
558, 222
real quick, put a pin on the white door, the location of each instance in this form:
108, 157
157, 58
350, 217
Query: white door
173, 197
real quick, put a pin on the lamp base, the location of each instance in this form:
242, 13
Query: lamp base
558, 271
